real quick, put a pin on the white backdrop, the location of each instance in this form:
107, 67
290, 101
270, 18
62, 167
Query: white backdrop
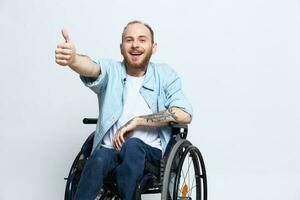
239, 63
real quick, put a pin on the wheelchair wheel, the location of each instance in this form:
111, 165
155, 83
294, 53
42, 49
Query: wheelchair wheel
184, 174
73, 178
77, 167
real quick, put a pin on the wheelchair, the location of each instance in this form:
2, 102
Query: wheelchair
180, 176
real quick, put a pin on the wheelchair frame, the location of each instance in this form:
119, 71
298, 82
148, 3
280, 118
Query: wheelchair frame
158, 179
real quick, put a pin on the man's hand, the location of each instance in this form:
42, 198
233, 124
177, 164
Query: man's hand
123, 132
65, 52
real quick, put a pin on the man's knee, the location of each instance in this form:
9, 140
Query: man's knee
133, 143
132, 146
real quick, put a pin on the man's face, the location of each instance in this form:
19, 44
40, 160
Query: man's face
137, 46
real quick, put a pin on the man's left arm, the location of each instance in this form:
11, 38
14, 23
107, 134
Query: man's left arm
172, 115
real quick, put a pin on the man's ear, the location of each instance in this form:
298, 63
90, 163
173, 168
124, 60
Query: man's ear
121, 48
154, 47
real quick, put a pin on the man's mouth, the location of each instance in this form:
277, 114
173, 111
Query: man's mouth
136, 53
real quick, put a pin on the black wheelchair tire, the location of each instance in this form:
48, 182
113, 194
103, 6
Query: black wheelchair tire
73, 179
175, 160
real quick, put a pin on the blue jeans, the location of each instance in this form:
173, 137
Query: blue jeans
128, 164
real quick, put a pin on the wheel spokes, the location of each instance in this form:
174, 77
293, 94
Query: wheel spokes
185, 187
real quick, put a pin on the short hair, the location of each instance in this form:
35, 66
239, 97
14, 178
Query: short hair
139, 22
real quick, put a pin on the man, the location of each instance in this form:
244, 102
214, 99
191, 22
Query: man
138, 99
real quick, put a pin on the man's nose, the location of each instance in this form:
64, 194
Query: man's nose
135, 43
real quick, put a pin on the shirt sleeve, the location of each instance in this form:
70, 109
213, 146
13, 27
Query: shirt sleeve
175, 96
98, 84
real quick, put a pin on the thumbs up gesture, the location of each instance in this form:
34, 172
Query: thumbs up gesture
65, 52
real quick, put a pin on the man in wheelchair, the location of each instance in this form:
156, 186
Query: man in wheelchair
138, 99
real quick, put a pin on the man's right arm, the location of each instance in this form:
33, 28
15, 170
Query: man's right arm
65, 55
84, 66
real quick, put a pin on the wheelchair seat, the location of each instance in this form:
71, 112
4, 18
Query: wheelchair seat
170, 178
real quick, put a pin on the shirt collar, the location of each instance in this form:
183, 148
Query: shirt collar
149, 80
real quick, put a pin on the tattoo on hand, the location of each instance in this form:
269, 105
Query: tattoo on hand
162, 116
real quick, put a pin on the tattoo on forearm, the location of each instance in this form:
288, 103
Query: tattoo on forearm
162, 116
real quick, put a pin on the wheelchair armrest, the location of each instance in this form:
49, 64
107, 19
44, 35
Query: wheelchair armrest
180, 130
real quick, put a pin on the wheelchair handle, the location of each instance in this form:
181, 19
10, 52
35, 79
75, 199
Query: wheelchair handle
90, 120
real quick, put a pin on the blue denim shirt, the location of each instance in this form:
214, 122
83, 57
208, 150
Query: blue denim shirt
161, 89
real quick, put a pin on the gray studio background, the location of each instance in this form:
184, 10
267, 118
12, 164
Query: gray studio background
239, 63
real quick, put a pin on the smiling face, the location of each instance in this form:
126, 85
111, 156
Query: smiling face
137, 46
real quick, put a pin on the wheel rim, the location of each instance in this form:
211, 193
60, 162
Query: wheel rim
173, 186
171, 166
188, 177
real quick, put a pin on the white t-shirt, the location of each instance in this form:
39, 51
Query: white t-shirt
134, 105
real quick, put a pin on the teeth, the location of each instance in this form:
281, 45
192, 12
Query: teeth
136, 54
